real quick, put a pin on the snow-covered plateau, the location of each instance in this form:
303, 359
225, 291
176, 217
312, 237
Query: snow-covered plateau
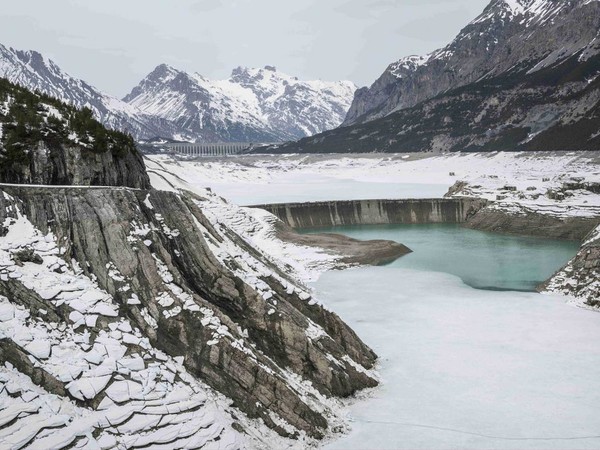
261, 179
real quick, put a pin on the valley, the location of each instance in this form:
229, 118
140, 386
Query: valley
460, 307
242, 258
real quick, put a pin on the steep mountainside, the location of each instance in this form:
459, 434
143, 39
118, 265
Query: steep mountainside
128, 314
45, 141
547, 102
253, 105
35, 72
556, 108
528, 34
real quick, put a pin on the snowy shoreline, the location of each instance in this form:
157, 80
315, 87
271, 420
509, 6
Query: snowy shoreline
561, 185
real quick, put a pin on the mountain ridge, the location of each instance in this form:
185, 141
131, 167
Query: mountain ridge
506, 34
522, 76
251, 105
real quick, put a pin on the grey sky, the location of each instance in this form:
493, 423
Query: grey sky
112, 44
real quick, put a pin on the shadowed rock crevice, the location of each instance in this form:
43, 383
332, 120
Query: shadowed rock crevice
13, 354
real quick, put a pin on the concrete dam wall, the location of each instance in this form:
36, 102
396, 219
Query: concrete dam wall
375, 212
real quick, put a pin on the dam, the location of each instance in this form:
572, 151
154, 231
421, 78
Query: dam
375, 212
471, 212
208, 149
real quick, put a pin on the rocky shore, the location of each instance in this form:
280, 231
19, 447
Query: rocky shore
187, 287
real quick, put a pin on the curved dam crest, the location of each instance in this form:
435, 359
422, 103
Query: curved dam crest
375, 212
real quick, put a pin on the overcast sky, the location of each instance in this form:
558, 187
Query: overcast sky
113, 44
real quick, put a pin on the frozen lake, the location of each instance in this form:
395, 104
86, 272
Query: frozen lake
463, 367
312, 188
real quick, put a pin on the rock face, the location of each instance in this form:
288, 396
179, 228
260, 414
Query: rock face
522, 221
523, 76
45, 141
187, 287
74, 164
253, 105
527, 35
580, 278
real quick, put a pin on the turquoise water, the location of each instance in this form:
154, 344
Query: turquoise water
473, 364
482, 260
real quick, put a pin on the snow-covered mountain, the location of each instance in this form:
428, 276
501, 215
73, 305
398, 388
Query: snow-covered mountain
32, 70
507, 35
251, 105
140, 315
524, 75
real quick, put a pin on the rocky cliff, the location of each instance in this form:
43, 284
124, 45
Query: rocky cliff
45, 141
526, 221
580, 278
87, 263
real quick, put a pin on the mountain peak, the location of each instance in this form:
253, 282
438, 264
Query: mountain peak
524, 11
264, 105
239, 70
162, 72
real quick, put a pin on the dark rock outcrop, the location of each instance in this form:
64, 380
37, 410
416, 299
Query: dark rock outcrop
526, 222
77, 165
580, 278
45, 141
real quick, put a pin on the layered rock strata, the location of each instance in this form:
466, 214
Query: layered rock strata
143, 279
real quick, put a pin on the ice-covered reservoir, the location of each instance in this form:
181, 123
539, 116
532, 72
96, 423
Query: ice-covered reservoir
462, 366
